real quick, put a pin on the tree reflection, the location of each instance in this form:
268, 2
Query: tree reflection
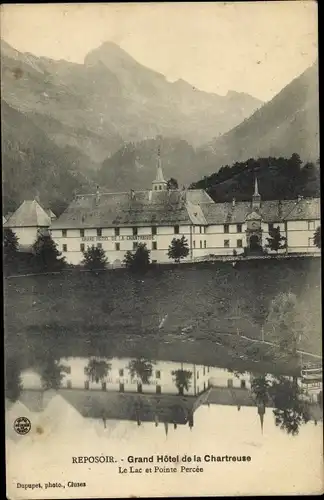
97, 370
51, 373
290, 410
182, 380
141, 368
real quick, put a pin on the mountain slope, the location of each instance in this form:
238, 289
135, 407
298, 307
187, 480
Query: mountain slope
34, 165
134, 165
287, 124
112, 99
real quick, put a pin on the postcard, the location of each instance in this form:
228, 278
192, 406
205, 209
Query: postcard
161, 249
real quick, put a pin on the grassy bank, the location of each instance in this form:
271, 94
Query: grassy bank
116, 312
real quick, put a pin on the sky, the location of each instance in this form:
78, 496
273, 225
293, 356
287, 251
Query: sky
253, 47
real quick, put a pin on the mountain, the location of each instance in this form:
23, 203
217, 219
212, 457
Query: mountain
111, 99
33, 165
287, 124
134, 165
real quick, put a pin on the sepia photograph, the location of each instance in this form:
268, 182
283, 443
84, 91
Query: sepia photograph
161, 224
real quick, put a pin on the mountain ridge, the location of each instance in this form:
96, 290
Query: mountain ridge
116, 98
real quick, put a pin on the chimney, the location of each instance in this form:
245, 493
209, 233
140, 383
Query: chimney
233, 202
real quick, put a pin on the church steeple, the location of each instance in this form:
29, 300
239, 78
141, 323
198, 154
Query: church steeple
159, 184
256, 198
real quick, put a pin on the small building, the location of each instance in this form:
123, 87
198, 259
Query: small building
27, 222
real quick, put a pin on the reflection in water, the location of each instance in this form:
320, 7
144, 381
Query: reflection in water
91, 387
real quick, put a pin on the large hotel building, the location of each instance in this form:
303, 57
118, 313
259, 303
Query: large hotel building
119, 221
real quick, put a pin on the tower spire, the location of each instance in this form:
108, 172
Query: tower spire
256, 198
256, 187
159, 184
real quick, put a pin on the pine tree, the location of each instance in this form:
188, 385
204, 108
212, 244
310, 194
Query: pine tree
178, 249
276, 241
94, 259
138, 261
47, 256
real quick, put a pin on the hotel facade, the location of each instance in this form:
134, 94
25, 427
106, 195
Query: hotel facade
118, 222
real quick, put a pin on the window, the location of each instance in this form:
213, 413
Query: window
117, 231
134, 231
229, 383
160, 188
310, 242
153, 230
158, 389
99, 232
226, 243
158, 374
204, 371
64, 233
194, 244
99, 245
86, 384
200, 244
69, 384
197, 374
176, 229
121, 372
239, 243
135, 245
82, 233
238, 228
154, 245
64, 248
205, 244
82, 247
155, 187
67, 370
243, 384
226, 228
311, 225
270, 227
117, 246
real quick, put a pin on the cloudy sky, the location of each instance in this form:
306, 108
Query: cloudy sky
255, 47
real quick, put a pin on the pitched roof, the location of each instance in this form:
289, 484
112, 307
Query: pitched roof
29, 214
270, 211
133, 208
115, 405
229, 396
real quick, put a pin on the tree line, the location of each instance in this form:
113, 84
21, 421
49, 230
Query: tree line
45, 256
279, 178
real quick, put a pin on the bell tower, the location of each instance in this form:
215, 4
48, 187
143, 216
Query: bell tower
256, 198
159, 184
